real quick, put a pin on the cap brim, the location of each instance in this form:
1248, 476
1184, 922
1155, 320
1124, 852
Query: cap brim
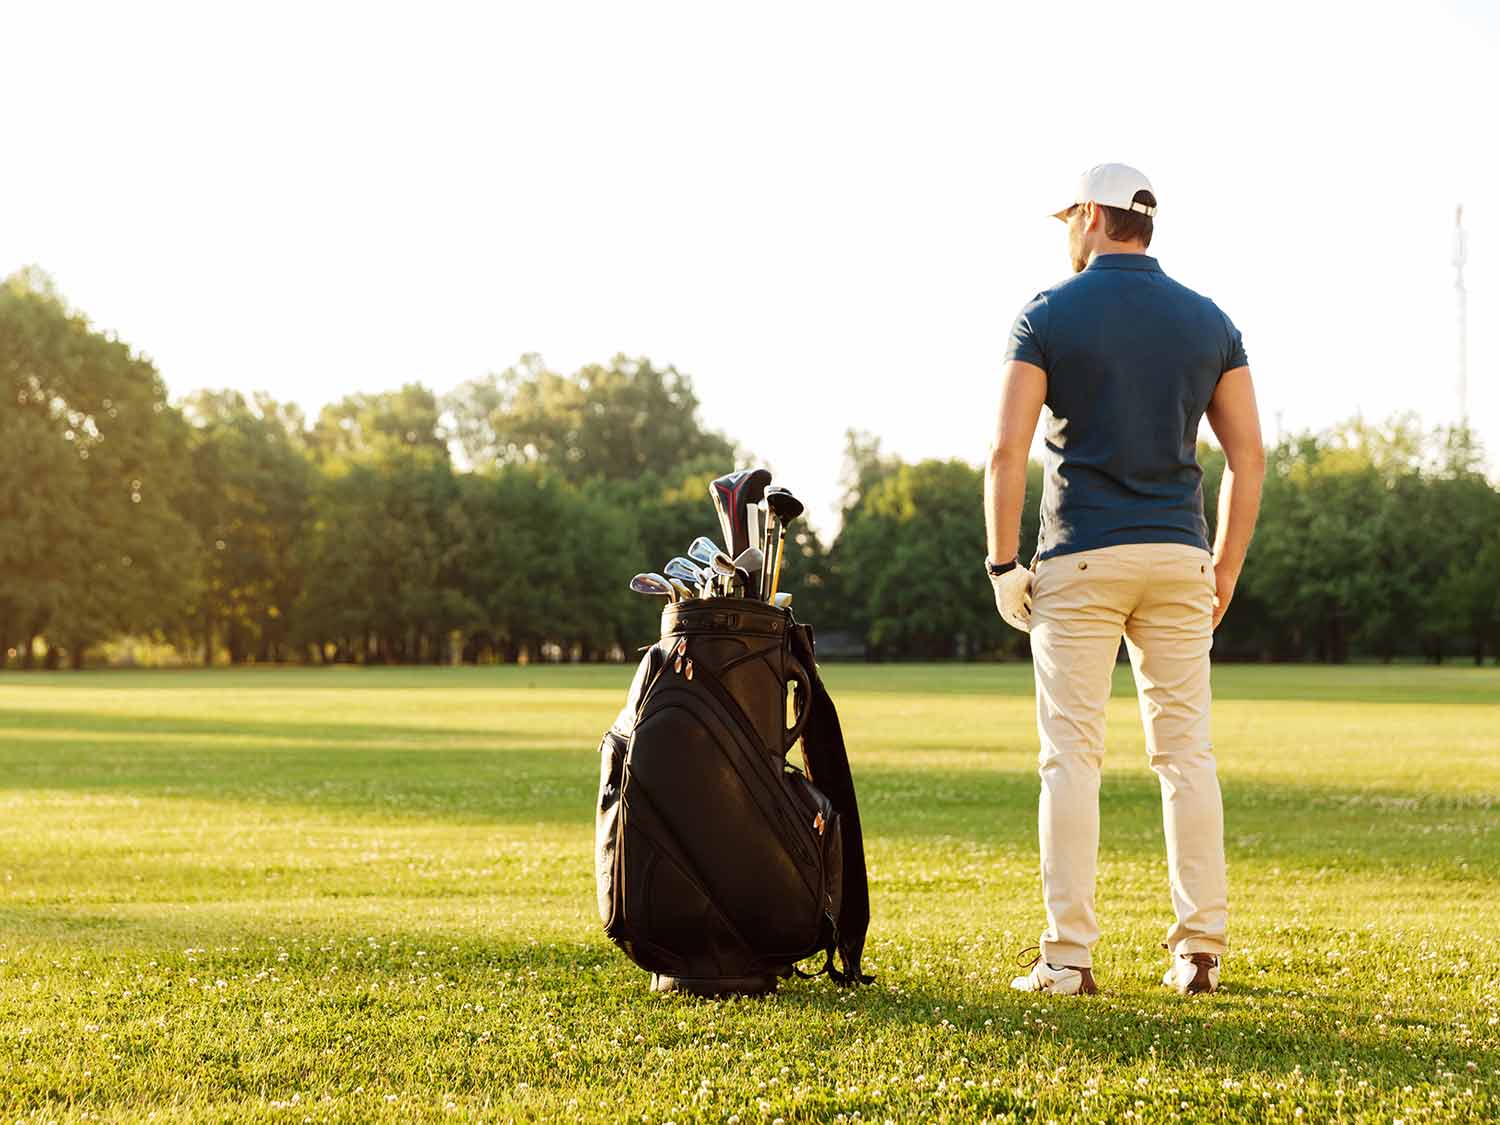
1063, 214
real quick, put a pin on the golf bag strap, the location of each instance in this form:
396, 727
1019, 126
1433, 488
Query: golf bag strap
827, 762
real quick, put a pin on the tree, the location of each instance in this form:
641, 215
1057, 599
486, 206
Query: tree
381, 427
250, 501
901, 553
384, 563
96, 545
614, 421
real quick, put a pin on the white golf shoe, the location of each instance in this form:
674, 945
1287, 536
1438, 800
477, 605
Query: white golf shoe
1058, 980
1193, 973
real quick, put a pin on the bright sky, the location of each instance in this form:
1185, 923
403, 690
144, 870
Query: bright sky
827, 214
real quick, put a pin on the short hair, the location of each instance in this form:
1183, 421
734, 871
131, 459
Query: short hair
1130, 226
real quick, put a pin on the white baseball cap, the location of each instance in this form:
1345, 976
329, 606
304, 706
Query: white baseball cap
1113, 185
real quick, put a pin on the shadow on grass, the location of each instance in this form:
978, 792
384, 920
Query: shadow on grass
1360, 683
79, 727
574, 985
344, 677
1232, 1032
1311, 683
404, 771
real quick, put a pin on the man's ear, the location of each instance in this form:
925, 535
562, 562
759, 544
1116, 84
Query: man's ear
1093, 216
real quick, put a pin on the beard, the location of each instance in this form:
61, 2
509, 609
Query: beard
1076, 252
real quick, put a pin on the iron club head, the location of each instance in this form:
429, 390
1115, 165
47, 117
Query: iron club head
686, 570
653, 584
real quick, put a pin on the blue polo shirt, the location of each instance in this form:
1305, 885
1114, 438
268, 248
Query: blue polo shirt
1132, 359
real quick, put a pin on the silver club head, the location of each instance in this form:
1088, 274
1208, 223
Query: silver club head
653, 584
684, 591
783, 599
685, 569
751, 559
702, 551
751, 562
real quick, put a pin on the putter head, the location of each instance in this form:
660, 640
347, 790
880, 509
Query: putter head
783, 599
731, 494
653, 584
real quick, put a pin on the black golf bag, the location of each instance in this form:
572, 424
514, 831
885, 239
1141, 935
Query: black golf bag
719, 864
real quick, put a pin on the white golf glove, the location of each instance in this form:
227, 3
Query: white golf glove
1013, 597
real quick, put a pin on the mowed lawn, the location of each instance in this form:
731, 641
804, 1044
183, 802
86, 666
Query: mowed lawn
354, 895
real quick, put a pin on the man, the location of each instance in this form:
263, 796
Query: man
1127, 362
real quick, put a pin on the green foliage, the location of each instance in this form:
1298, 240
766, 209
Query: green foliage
233, 528
548, 563
385, 565
93, 543
614, 421
380, 428
250, 501
909, 563
1372, 540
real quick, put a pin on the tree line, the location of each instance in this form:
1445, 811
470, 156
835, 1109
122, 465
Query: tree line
501, 522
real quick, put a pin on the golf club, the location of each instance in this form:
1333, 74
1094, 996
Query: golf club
731, 494
752, 542
787, 508
686, 570
722, 563
653, 584
702, 551
761, 579
750, 561
772, 524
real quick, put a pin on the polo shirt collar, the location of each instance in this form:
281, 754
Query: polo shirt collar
1125, 262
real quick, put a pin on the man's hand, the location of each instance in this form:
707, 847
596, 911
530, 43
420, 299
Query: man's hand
1013, 597
1236, 423
1224, 583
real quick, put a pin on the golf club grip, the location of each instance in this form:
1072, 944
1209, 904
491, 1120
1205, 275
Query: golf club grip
797, 674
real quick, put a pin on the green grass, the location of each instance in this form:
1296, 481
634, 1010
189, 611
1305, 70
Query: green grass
354, 895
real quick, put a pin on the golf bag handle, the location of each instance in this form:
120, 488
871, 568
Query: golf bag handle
797, 674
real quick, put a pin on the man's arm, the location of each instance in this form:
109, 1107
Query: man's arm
1023, 389
1236, 423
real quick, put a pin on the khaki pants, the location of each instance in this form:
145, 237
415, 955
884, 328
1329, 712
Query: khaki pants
1159, 596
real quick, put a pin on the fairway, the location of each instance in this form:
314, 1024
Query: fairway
365, 894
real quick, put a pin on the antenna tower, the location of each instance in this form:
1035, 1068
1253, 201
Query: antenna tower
1460, 259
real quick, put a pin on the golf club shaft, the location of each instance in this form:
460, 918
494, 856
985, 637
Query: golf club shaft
780, 551
772, 523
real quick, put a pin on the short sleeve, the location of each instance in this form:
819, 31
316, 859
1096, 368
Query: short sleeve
1234, 355
1028, 335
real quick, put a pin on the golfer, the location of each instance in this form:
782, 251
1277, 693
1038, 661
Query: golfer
1127, 362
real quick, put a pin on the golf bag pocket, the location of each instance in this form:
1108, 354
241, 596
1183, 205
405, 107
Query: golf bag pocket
606, 826
700, 784
825, 823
